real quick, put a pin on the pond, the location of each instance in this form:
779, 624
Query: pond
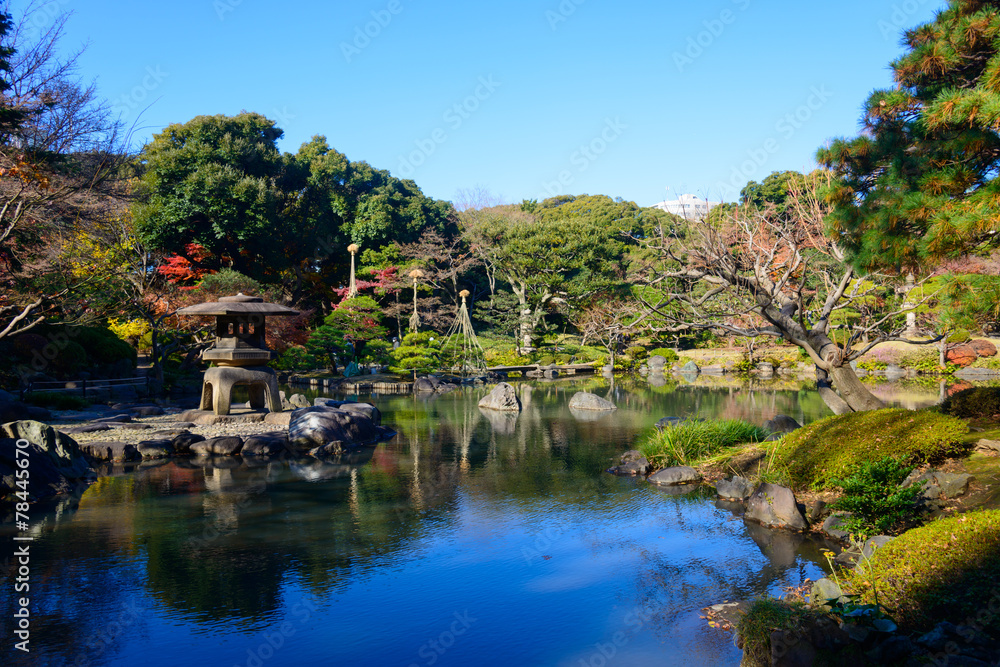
470, 538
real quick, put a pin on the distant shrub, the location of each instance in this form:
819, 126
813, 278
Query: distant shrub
418, 353
959, 336
976, 402
296, 359
56, 400
824, 450
637, 352
665, 352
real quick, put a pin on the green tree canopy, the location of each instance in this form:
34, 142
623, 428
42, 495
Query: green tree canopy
920, 181
214, 181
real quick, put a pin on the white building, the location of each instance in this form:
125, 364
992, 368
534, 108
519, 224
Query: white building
689, 207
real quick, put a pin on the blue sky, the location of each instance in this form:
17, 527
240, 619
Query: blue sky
528, 98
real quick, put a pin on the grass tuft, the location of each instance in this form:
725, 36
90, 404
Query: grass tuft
691, 443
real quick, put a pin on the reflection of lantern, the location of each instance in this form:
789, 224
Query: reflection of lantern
240, 352
352, 290
415, 318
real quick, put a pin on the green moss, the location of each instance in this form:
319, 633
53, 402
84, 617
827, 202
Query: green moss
948, 569
825, 450
975, 402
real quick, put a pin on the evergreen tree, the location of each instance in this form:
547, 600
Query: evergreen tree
920, 182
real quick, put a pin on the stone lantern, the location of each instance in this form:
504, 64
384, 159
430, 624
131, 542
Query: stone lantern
240, 352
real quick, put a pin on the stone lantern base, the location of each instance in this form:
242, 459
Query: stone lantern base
217, 388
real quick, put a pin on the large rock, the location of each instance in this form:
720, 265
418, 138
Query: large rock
676, 475
44, 481
155, 449
782, 424
983, 348
60, 448
632, 463
182, 443
229, 445
265, 445
961, 355
502, 397
146, 411
111, 451
299, 401
657, 363
737, 488
834, 525
690, 367
425, 385
585, 401
319, 425
366, 409
774, 506
937, 484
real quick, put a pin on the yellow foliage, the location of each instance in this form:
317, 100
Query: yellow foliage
129, 329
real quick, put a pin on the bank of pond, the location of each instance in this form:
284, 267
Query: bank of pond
471, 536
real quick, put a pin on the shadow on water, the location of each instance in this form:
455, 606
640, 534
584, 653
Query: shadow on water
506, 514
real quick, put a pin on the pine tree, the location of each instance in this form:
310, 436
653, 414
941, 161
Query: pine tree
920, 182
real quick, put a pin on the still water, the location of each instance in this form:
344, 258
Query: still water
469, 539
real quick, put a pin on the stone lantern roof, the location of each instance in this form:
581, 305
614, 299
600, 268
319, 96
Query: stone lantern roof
238, 305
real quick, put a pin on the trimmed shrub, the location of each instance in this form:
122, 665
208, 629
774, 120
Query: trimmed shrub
824, 450
636, 352
972, 403
665, 352
947, 569
872, 495
689, 442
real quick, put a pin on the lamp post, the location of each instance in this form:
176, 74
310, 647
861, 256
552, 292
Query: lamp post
415, 317
352, 290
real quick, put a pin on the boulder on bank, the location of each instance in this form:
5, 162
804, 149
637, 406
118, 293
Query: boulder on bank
676, 475
182, 443
736, 488
61, 449
937, 484
229, 445
501, 397
45, 480
318, 425
632, 463
265, 445
155, 449
111, 451
586, 401
782, 424
775, 507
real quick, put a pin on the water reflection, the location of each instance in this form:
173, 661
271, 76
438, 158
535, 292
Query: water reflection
507, 515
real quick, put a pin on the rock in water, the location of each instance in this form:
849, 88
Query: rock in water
63, 451
676, 475
502, 397
319, 425
632, 463
224, 446
774, 506
583, 401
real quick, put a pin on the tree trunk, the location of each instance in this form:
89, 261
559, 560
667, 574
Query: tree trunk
853, 395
